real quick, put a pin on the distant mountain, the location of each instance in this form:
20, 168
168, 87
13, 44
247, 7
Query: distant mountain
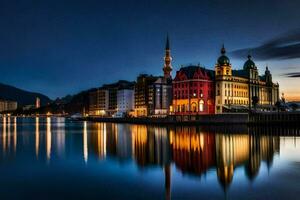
23, 97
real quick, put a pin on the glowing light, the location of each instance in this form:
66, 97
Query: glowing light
85, 144
37, 136
48, 138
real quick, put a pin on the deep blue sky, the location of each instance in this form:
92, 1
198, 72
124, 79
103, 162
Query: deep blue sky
62, 47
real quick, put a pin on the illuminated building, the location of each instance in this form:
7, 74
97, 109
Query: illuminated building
37, 102
8, 105
161, 89
125, 99
153, 94
143, 94
235, 89
161, 97
103, 101
193, 91
98, 100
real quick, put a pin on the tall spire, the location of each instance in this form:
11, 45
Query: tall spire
167, 43
167, 65
223, 50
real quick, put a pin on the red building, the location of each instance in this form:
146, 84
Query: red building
194, 91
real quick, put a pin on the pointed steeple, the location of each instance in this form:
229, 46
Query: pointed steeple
167, 65
167, 43
223, 50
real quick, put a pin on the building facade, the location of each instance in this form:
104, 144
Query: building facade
143, 94
161, 96
125, 100
194, 91
238, 89
153, 94
160, 100
103, 101
8, 105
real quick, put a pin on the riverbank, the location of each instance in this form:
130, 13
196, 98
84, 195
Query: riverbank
229, 118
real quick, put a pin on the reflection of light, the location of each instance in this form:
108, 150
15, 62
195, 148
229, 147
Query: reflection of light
85, 145
4, 134
48, 138
101, 138
37, 136
15, 134
139, 139
8, 132
60, 136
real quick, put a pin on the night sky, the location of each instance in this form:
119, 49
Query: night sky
63, 47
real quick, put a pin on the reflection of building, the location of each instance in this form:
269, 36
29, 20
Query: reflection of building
192, 151
238, 150
98, 139
150, 145
193, 91
8, 105
235, 89
8, 141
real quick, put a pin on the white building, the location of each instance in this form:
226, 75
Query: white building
125, 100
8, 105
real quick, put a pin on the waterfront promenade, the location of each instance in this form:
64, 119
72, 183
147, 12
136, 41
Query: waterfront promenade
274, 118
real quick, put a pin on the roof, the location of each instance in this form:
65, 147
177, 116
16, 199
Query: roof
189, 71
121, 84
223, 59
249, 64
240, 73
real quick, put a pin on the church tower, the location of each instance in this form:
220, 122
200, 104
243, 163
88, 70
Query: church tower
167, 66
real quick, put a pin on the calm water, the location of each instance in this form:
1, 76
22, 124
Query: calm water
53, 158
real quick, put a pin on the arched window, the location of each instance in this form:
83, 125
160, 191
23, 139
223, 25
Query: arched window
194, 107
201, 106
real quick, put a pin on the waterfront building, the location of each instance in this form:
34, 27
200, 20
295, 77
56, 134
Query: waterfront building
238, 89
103, 101
6, 105
143, 94
161, 90
37, 102
194, 91
125, 99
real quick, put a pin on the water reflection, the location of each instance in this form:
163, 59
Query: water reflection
9, 136
193, 151
48, 138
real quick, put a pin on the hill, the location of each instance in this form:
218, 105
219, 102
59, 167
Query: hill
23, 97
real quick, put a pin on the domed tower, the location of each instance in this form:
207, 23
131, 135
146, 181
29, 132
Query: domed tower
253, 87
167, 66
223, 76
251, 68
223, 66
268, 76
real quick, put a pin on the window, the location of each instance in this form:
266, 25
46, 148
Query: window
201, 106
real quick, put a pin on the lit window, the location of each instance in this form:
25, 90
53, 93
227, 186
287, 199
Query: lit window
201, 106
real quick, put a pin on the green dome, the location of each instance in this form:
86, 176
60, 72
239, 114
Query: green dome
249, 64
223, 60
